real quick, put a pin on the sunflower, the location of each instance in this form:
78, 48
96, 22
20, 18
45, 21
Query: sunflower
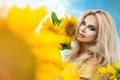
117, 70
114, 72
48, 26
25, 55
69, 26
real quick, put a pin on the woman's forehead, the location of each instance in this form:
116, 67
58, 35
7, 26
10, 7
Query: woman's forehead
91, 20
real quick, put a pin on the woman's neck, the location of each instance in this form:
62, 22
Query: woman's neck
85, 46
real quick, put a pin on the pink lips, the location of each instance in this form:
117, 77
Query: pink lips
80, 35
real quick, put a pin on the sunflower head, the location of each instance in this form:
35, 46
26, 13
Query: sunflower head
112, 71
69, 25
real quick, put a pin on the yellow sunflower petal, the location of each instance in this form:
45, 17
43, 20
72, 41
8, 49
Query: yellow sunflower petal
16, 57
24, 20
110, 69
73, 20
117, 65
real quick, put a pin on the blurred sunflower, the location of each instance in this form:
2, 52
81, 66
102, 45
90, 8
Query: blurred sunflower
114, 72
16, 57
25, 55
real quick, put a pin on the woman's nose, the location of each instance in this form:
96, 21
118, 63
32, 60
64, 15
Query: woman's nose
82, 29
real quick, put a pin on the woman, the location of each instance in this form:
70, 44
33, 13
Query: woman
95, 44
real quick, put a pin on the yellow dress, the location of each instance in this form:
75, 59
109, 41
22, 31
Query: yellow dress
88, 70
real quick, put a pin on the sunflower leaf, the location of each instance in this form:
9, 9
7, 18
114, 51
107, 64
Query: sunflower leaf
65, 46
117, 71
55, 19
59, 21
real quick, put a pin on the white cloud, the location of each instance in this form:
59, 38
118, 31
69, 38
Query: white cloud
56, 6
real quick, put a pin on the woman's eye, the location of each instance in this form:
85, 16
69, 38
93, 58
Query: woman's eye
92, 28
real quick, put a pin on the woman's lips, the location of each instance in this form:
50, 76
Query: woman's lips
81, 35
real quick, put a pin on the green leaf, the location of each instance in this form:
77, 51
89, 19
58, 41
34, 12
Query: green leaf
55, 19
59, 21
65, 46
117, 71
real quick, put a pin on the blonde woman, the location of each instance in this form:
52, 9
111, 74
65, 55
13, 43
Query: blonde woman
95, 44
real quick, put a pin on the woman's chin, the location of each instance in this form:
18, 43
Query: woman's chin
80, 39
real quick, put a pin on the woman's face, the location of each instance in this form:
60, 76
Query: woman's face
88, 30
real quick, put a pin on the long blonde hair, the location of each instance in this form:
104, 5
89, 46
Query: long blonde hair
104, 47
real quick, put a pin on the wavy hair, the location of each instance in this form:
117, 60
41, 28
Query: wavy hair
104, 48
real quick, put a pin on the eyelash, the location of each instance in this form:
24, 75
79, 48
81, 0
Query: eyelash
91, 28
